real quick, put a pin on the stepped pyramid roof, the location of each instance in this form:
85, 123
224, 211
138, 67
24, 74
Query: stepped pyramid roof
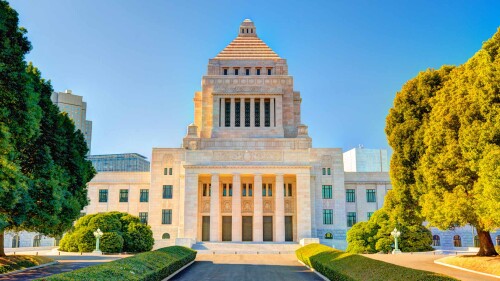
247, 45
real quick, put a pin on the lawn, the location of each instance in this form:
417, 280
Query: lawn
490, 265
12, 263
342, 266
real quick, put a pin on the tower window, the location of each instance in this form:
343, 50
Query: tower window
236, 70
225, 71
257, 113
267, 113
269, 71
247, 71
247, 113
258, 71
237, 113
251, 30
227, 115
242, 30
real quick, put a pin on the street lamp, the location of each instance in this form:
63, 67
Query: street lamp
98, 234
396, 235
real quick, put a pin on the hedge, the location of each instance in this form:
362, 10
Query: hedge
148, 266
341, 266
12, 263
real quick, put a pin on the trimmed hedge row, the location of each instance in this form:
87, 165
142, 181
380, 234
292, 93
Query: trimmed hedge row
341, 266
148, 266
12, 263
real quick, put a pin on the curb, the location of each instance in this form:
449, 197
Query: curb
312, 269
465, 269
29, 268
181, 269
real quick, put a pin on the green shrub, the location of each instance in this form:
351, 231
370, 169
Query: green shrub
106, 222
138, 238
127, 219
85, 239
111, 242
149, 266
84, 221
342, 266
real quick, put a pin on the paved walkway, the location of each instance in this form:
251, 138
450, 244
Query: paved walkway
67, 262
248, 267
426, 262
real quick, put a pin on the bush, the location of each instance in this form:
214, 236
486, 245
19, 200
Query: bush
342, 266
138, 238
111, 242
155, 265
134, 236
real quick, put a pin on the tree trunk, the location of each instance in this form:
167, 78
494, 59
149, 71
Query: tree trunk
486, 247
2, 252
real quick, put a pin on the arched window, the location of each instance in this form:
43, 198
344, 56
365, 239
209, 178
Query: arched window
15, 241
436, 241
476, 241
165, 236
457, 241
36, 241
498, 240
328, 235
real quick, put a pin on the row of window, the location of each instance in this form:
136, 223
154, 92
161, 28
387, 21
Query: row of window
350, 194
143, 194
167, 171
242, 107
457, 241
247, 189
351, 217
247, 71
166, 216
326, 171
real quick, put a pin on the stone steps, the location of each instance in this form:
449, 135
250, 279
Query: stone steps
245, 248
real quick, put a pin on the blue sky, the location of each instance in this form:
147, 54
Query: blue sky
138, 63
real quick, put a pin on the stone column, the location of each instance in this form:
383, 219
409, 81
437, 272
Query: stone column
191, 207
258, 227
304, 206
279, 210
279, 111
214, 209
233, 111
252, 112
272, 112
262, 113
222, 112
236, 209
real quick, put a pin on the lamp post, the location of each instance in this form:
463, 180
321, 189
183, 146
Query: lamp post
98, 234
396, 235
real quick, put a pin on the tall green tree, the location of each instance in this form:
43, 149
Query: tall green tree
461, 164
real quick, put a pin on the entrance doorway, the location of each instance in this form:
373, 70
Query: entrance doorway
268, 228
288, 228
247, 228
227, 225
205, 229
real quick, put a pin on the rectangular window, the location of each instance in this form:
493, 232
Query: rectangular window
165, 171
350, 195
227, 115
264, 188
247, 113
258, 71
327, 192
143, 216
324, 171
329, 172
167, 192
327, 216
257, 113
225, 71
244, 190
170, 171
250, 192
224, 190
289, 190
237, 107
369, 215
166, 216
103, 195
351, 218
144, 195
230, 189
247, 71
269, 189
123, 195
236, 70
267, 113
284, 189
269, 71
370, 195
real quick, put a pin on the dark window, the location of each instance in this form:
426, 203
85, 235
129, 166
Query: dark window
237, 107
284, 189
167, 171
144, 195
230, 189
457, 241
244, 190
242, 30
236, 70
324, 171
247, 113
103, 195
258, 71
329, 172
224, 189
123, 195
267, 113
328, 235
370, 195
327, 192
207, 189
143, 216
167, 192
498, 240
476, 241
350, 195
250, 193
257, 113
289, 190
37, 240
327, 216
269, 189
264, 188
369, 215
436, 241
225, 71
166, 216
165, 236
247, 71
170, 171
227, 115
351, 218
269, 71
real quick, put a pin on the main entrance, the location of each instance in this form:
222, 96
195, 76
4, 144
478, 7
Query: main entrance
247, 228
288, 228
268, 228
205, 229
227, 225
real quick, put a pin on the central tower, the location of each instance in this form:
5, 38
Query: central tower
247, 94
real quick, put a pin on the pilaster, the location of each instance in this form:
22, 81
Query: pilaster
191, 206
279, 212
303, 206
258, 226
214, 208
236, 209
